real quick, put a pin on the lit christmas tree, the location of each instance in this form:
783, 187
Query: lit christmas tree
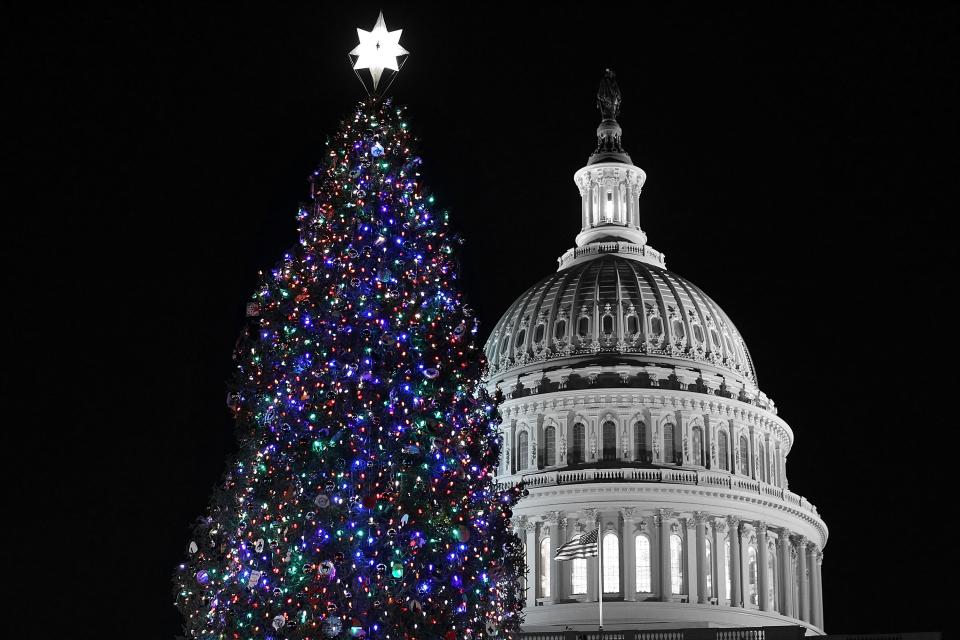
361, 502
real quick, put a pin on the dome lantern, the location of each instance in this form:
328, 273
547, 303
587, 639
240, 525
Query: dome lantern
610, 187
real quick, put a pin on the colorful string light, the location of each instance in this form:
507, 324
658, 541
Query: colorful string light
362, 500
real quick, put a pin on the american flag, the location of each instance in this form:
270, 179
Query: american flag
583, 546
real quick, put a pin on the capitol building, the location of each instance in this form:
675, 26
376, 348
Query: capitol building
632, 405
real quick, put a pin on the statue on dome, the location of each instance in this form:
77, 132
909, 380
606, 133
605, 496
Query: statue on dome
608, 96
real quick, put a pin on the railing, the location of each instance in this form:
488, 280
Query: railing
700, 477
703, 633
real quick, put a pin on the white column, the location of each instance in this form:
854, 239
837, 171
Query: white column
700, 522
551, 523
720, 560
530, 528
593, 522
663, 542
804, 590
692, 562
763, 576
818, 596
736, 591
783, 562
628, 551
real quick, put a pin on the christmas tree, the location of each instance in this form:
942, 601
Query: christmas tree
361, 501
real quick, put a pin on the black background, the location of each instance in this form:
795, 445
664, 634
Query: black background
799, 167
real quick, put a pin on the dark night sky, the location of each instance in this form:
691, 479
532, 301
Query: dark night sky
798, 169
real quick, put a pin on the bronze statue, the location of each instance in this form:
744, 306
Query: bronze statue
608, 96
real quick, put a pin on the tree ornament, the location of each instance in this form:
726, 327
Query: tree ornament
491, 629
254, 578
377, 150
332, 627
431, 373
202, 577
258, 545
192, 548
326, 569
322, 501
279, 622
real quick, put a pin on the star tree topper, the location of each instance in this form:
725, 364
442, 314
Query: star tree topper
378, 50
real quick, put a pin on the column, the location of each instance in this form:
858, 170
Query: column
736, 591
720, 560
592, 518
763, 575
530, 528
628, 551
628, 201
700, 522
551, 523
663, 541
804, 590
783, 558
818, 597
692, 564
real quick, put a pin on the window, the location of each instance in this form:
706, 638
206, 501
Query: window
744, 456
578, 444
727, 570
772, 599
559, 329
643, 563
544, 582
656, 326
611, 563
715, 339
550, 446
729, 344
520, 336
505, 343
708, 569
752, 574
538, 333
724, 450
523, 450
608, 207
698, 333
776, 463
640, 451
761, 465
578, 577
633, 325
678, 329
668, 449
676, 564
698, 446
609, 440
607, 324
583, 326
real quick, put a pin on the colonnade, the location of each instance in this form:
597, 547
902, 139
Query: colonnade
692, 557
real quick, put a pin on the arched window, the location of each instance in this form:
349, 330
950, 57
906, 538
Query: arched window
640, 450
583, 326
544, 582
772, 599
609, 440
656, 326
607, 324
523, 450
560, 330
727, 569
752, 574
698, 333
611, 563
538, 333
708, 565
578, 446
578, 577
668, 449
698, 446
744, 456
644, 581
715, 339
633, 325
776, 464
678, 329
505, 343
550, 446
676, 564
729, 344
723, 450
520, 336
761, 464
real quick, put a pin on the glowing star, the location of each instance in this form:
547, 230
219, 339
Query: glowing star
378, 50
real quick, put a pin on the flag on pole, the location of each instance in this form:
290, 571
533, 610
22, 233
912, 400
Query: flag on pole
583, 546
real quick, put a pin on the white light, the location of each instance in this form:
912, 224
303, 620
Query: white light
378, 50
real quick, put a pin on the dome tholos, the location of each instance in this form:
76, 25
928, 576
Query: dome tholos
631, 409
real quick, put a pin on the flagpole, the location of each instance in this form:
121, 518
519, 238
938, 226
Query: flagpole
600, 576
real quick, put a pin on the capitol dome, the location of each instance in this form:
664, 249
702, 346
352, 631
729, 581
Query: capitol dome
631, 409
